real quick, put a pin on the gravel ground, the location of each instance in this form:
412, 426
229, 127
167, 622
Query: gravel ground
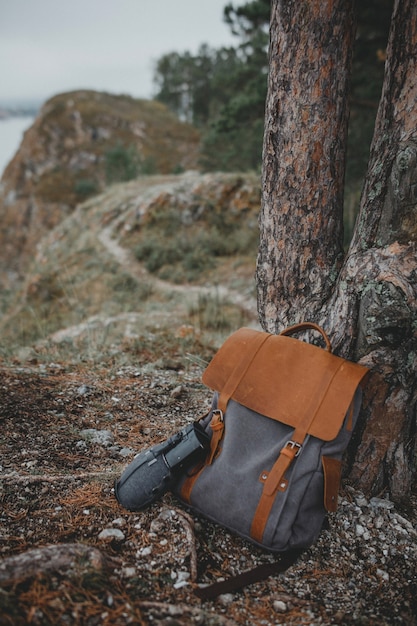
67, 432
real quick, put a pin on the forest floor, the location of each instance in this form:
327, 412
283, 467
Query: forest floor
70, 554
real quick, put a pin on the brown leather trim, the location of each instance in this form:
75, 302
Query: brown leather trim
283, 375
332, 469
291, 330
217, 426
188, 485
268, 495
286, 457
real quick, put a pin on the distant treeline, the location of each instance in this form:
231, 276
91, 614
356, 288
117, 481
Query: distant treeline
223, 91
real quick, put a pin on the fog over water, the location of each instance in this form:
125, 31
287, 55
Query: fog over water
11, 134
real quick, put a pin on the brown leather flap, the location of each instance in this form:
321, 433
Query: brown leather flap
287, 380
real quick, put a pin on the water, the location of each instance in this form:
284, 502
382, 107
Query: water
11, 134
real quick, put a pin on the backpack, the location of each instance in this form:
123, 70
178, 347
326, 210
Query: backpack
282, 415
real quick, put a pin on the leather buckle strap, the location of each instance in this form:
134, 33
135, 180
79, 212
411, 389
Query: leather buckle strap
231, 585
217, 426
272, 483
293, 445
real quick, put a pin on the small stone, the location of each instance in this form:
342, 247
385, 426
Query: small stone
226, 599
83, 390
119, 522
175, 393
381, 503
180, 584
404, 523
382, 574
361, 501
111, 533
102, 437
280, 606
125, 452
181, 575
129, 572
360, 530
379, 522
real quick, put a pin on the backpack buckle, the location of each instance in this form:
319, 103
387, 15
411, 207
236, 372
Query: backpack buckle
219, 414
294, 444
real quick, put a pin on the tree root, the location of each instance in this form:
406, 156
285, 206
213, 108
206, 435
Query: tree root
188, 525
66, 558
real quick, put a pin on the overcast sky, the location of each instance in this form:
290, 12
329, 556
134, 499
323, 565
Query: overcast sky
51, 46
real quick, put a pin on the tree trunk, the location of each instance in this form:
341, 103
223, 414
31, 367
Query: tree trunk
301, 245
369, 305
383, 261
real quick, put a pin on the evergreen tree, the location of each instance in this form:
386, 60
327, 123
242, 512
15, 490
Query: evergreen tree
223, 91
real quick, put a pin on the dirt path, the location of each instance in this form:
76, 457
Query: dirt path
137, 271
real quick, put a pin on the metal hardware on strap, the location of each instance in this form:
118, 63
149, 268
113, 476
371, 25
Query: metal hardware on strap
219, 414
273, 484
294, 444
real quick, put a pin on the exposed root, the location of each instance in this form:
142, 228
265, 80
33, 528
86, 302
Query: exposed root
60, 557
188, 525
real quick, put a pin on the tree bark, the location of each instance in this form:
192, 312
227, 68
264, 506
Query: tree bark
382, 261
301, 243
369, 305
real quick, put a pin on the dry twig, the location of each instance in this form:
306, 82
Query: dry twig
29, 479
188, 525
187, 612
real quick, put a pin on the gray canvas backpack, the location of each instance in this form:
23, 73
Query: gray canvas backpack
282, 415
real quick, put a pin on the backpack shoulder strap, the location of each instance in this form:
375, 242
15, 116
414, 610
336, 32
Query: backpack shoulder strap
249, 577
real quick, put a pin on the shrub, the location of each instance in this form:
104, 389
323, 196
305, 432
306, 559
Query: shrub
85, 187
121, 163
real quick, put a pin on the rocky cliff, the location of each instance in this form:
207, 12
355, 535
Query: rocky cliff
79, 143
155, 253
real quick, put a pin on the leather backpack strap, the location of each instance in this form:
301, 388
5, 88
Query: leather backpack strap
297, 328
275, 480
249, 577
226, 393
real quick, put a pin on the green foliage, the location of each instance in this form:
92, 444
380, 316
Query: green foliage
180, 251
212, 312
184, 84
121, 163
85, 187
367, 76
223, 91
